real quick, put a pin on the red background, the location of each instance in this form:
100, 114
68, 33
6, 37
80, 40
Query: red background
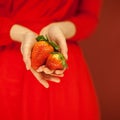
102, 53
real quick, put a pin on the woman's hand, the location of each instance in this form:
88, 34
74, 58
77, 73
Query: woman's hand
26, 48
54, 33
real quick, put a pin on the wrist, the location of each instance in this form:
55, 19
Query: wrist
68, 28
18, 32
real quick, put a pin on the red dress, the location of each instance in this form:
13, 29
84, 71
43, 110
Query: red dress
22, 97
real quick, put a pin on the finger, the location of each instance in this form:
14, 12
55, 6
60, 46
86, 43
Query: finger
51, 78
39, 77
54, 79
26, 51
26, 48
57, 75
64, 49
47, 70
41, 68
63, 45
59, 71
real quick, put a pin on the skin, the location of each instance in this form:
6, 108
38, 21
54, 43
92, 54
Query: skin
57, 32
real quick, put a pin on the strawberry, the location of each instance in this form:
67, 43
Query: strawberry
56, 61
41, 50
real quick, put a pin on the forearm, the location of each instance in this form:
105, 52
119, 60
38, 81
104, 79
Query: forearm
18, 32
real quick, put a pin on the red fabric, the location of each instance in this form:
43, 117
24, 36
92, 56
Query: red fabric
22, 97
5, 25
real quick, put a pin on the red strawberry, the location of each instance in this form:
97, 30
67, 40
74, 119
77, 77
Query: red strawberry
40, 52
56, 61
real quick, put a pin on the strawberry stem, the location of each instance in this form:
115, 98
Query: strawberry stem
63, 60
53, 44
41, 38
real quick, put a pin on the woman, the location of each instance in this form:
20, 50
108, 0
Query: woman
23, 93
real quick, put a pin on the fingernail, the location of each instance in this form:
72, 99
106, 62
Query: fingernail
46, 86
39, 70
66, 57
58, 81
27, 67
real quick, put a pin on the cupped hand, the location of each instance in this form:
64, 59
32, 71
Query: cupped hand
26, 48
55, 34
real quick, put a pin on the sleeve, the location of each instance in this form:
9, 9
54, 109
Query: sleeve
5, 25
86, 18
